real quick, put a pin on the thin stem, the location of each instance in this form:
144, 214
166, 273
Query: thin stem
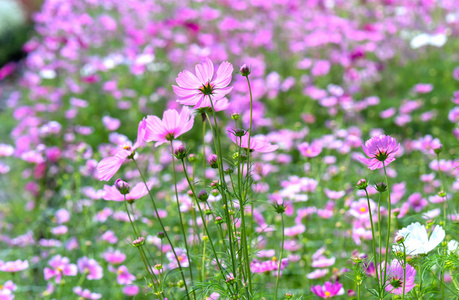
280, 258
163, 228
203, 221
388, 225
372, 232
181, 220
404, 270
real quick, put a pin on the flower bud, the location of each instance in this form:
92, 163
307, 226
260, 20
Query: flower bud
229, 170
191, 158
159, 267
190, 193
279, 208
214, 183
122, 186
400, 239
230, 279
213, 162
235, 116
161, 235
214, 192
442, 194
362, 184
218, 220
437, 149
244, 70
180, 152
239, 132
381, 187
138, 242
288, 296
203, 196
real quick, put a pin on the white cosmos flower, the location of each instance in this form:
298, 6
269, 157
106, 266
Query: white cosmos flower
417, 240
453, 246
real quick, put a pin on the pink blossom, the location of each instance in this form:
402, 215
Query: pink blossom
202, 89
86, 294
110, 165
123, 275
328, 290
379, 149
256, 143
310, 150
90, 267
130, 290
59, 266
170, 127
14, 266
114, 257
110, 237
396, 277
316, 274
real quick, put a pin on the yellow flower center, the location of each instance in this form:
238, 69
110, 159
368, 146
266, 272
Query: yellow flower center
363, 209
327, 294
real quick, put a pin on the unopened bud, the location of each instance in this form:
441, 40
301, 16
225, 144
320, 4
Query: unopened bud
400, 239
381, 187
180, 152
362, 184
138, 242
122, 186
213, 162
203, 196
235, 116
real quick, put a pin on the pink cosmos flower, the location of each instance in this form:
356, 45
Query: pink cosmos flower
379, 149
114, 257
316, 274
256, 143
86, 294
124, 277
200, 89
170, 127
90, 267
7, 289
110, 237
108, 166
328, 290
395, 278
139, 190
14, 266
310, 150
59, 266
130, 290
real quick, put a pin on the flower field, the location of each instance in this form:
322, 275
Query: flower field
274, 149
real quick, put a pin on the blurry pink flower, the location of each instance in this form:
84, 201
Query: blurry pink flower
124, 277
59, 266
108, 166
110, 237
6, 150
139, 190
90, 267
170, 127
130, 290
328, 290
200, 89
14, 266
310, 150
395, 277
114, 257
86, 294
423, 88
379, 149
256, 143
111, 123
316, 274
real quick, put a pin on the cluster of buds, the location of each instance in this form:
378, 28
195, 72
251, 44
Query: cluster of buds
138, 242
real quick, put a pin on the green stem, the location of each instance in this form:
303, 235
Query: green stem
203, 221
163, 228
280, 258
404, 270
181, 221
372, 233
388, 225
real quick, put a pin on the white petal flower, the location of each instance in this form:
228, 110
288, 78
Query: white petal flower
417, 240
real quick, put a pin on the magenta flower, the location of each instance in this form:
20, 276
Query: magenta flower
86, 294
328, 290
395, 278
124, 277
90, 267
310, 150
200, 89
14, 266
379, 149
59, 266
108, 166
139, 190
114, 257
256, 143
170, 127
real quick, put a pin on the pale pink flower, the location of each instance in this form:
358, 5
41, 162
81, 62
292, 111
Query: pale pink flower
108, 166
14, 266
170, 127
200, 89
379, 149
59, 266
256, 143
139, 190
